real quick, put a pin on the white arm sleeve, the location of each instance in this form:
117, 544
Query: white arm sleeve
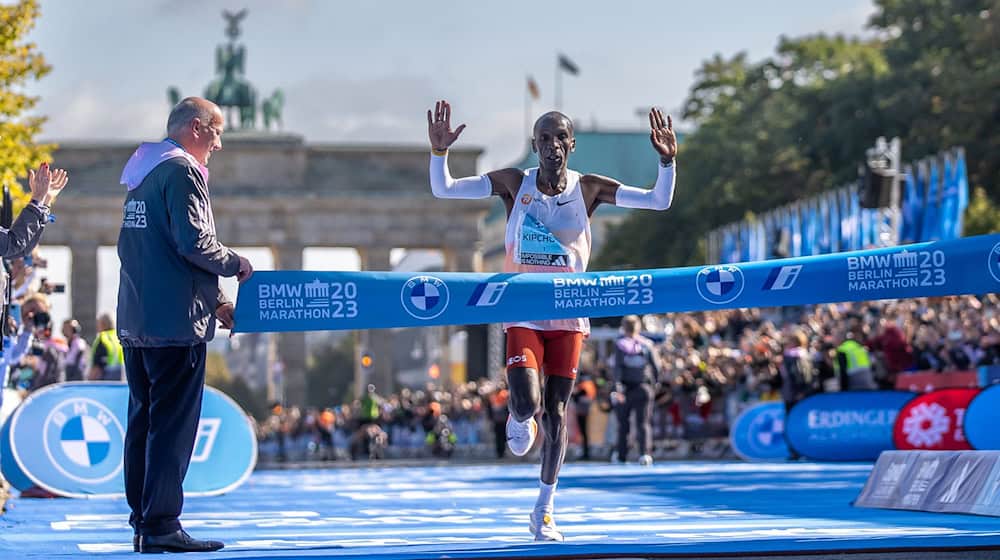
657, 198
444, 186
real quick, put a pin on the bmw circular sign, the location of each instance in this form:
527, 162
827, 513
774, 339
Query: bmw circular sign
83, 440
424, 297
720, 284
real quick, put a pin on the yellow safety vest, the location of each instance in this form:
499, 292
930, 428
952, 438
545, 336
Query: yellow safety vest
857, 356
109, 339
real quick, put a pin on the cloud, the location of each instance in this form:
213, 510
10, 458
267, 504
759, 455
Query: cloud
85, 112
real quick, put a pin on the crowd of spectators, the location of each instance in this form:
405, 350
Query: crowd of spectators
36, 353
715, 364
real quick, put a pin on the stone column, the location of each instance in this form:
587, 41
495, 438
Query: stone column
377, 342
83, 286
291, 345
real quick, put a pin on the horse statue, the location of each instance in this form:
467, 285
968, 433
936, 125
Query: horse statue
271, 109
230, 90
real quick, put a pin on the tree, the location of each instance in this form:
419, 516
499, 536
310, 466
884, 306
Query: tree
798, 123
20, 62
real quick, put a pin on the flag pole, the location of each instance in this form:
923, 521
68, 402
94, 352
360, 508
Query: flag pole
527, 107
558, 86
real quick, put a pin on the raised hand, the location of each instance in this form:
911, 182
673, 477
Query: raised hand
439, 127
40, 182
56, 185
662, 134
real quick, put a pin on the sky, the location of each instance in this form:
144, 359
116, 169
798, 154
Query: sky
366, 72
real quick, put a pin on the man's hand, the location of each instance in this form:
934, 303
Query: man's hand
224, 313
662, 135
40, 182
439, 127
246, 270
58, 183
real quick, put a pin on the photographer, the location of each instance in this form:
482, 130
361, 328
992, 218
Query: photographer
47, 355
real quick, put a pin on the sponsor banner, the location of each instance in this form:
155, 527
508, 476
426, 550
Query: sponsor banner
980, 420
280, 301
69, 439
934, 421
848, 426
758, 434
953, 482
927, 381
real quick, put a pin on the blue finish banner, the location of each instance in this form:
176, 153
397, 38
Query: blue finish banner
980, 420
851, 426
69, 439
281, 301
758, 434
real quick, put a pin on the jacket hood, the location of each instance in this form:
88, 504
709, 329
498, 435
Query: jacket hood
150, 154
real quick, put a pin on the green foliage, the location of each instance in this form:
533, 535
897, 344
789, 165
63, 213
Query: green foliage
330, 374
982, 216
798, 122
20, 62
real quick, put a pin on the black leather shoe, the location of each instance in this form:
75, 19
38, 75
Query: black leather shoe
178, 541
135, 543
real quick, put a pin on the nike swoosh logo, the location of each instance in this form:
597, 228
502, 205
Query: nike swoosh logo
564, 203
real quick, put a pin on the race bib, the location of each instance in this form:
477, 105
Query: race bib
538, 246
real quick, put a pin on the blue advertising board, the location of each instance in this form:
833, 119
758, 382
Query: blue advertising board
758, 434
69, 439
980, 420
849, 426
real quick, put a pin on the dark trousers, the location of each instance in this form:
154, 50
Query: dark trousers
581, 423
165, 389
638, 400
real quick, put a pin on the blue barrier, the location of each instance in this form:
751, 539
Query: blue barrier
758, 434
68, 439
279, 301
851, 426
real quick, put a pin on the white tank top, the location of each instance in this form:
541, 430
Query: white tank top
548, 234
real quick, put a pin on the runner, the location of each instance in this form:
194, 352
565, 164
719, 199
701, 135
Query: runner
548, 230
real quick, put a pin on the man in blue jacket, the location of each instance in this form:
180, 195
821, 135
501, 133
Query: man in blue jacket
168, 303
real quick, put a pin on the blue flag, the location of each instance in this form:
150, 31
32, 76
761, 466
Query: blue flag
962, 181
932, 216
912, 212
833, 202
949, 200
795, 224
855, 221
823, 246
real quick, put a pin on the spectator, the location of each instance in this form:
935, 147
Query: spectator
106, 355
76, 354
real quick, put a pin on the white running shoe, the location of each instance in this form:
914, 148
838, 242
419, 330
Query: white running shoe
645, 460
544, 527
521, 435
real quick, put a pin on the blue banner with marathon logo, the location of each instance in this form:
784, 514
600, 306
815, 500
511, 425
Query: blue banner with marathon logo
69, 439
279, 301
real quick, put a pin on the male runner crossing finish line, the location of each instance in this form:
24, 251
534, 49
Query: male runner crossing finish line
548, 230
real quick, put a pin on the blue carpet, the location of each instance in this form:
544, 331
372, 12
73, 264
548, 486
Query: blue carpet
482, 512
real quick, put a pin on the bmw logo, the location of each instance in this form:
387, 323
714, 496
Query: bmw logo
424, 297
994, 262
719, 284
84, 440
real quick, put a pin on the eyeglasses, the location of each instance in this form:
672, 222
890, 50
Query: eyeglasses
216, 129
